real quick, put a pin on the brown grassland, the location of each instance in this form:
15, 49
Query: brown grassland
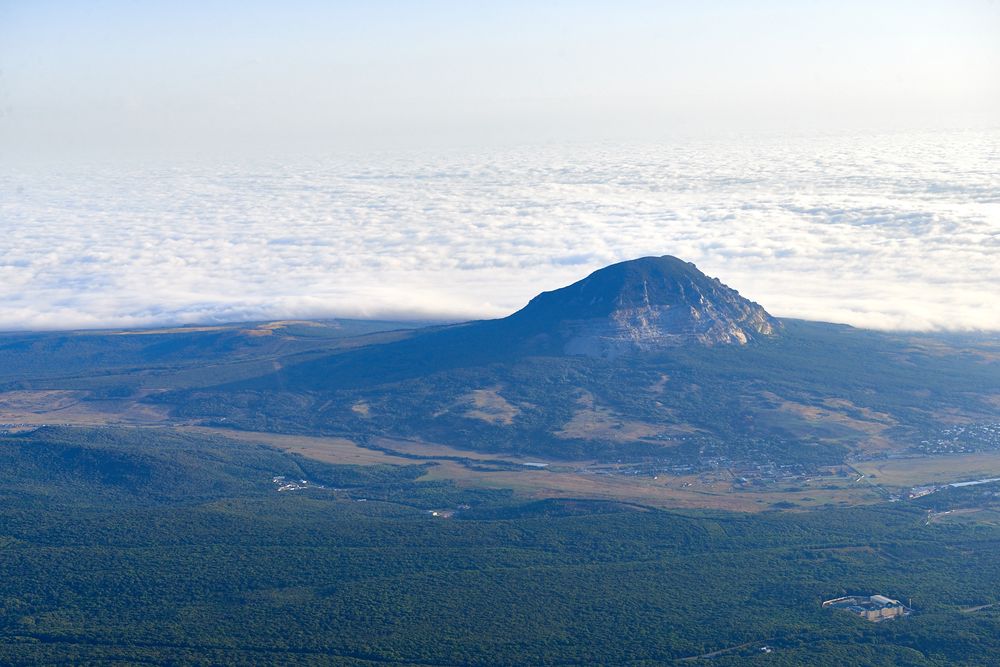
920, 470
580, 479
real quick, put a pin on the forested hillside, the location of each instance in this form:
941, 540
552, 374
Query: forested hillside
136, 546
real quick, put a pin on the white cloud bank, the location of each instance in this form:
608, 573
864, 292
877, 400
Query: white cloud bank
888, 231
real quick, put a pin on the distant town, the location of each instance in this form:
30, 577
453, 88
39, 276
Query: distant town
962, 439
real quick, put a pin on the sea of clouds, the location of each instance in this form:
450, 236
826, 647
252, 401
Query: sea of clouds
885, 231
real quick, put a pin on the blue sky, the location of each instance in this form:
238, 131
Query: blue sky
160, 76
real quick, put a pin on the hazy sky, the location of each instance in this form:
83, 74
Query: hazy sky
182, 162
263, 76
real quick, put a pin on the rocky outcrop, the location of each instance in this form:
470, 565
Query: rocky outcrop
645, 304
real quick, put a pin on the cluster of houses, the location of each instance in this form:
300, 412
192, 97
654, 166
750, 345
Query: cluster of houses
962, 438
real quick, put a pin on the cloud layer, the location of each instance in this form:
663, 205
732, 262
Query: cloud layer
885, 231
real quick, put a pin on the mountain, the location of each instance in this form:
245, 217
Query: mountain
648, 305
645, 304
480, 464
646, 358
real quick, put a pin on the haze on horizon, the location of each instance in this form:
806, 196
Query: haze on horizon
144, 78
184, 162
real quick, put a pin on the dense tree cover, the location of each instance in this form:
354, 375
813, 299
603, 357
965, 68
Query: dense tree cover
961, 497
129, 545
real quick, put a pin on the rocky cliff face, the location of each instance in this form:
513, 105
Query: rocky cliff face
645, 304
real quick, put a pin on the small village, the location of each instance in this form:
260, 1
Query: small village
962, 439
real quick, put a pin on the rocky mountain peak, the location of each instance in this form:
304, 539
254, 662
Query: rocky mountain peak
645, 304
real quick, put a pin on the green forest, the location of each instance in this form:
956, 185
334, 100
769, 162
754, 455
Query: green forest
131, 546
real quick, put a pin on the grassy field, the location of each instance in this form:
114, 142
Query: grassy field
560, 480
666, 491
921, 470
436, 450
40, 407
563, 481
340, 451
